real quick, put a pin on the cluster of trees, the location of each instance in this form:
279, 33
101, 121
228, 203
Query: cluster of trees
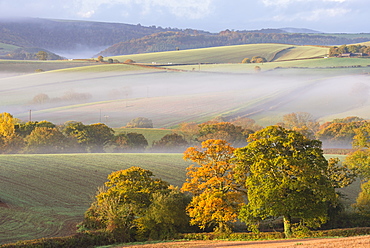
255, 59
46, 137
69, 96
280, 173
359, 49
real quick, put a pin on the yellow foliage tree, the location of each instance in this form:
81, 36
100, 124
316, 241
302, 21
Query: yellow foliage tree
217, 197
7, 122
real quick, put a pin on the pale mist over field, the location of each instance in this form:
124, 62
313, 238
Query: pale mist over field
169, 98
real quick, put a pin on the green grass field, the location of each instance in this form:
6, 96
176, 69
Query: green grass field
46, 195
6, 48
226, 54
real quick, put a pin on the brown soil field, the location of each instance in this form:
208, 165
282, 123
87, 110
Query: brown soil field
350, 242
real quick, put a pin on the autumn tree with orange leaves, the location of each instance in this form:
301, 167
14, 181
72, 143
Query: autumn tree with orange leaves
217, 197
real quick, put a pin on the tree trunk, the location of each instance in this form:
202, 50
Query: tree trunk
288, 226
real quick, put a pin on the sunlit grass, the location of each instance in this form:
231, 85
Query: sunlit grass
47, 194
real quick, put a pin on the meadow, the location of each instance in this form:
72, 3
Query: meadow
47, 195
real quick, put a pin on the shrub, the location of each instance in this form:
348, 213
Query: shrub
246, 60
140, 122
170, 143
129, 61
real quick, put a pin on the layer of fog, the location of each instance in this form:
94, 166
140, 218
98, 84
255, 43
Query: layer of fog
80, 52
264, 97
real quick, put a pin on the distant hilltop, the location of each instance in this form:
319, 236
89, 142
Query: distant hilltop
98, 38
300, 30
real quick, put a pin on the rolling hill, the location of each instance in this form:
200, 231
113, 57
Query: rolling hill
190, 85
171, 41
228, 54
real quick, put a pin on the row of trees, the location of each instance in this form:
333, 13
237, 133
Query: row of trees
337, 133
255, 59
46, 137
280, 173
335, 50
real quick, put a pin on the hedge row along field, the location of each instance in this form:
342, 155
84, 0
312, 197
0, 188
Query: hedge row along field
47, 195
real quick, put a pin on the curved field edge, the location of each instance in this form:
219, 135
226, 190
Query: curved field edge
47, 195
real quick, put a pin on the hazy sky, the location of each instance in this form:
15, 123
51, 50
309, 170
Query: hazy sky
210, 15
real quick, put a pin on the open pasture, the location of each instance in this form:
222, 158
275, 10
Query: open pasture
47, 195
227, 54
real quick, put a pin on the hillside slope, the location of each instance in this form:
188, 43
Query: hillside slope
171, 41
64, 35
228, 54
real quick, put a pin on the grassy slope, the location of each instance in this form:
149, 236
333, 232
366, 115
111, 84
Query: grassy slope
6, 48
20, 67
226, 54
48, 194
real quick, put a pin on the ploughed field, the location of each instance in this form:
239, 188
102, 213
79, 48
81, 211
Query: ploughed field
47, 195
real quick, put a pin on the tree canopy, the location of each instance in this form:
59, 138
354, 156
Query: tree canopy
286, 175
128, 206
216, 198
